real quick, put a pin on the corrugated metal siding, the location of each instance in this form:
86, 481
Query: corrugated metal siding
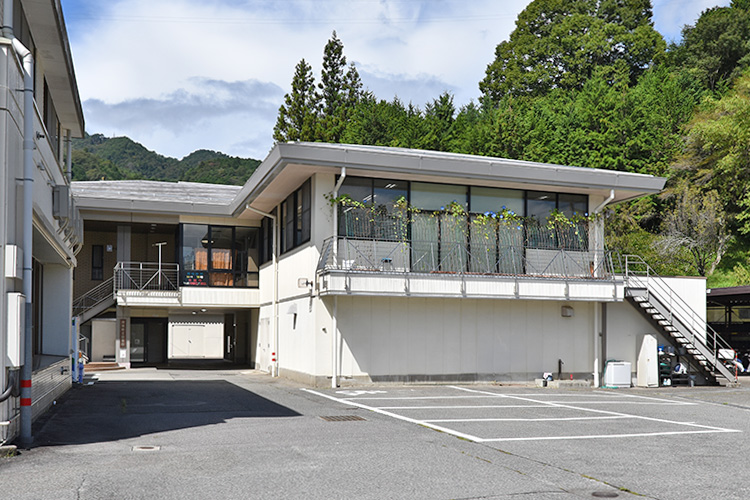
49, 384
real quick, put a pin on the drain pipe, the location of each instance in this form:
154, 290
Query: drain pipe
8, 19
275, 316
27, 58
74, 347
334, 320
599, 319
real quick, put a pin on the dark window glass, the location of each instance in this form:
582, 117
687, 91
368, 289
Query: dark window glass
246, 256
358, 188
289, 212
386, 193
282, 227
573, 204
540, 204
306, 219
298, 218
97, 262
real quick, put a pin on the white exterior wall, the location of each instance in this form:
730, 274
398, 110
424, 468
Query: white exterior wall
418, 338
57, 298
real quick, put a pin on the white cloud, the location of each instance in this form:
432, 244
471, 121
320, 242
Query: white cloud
179, 75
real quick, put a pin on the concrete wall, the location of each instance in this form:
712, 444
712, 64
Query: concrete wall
58, 302
103, 338
404, 338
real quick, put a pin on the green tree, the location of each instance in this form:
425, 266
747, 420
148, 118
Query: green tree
717, 152
717, 47
340, 90
560, 43
439, 116
298, 116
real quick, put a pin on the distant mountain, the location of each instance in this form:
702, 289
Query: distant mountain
98, 157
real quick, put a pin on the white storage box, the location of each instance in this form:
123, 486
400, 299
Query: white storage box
617, 374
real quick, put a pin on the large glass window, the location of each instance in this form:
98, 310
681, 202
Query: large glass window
378, 219
496, 200
429, 196
296, 218
573, 204
219, 256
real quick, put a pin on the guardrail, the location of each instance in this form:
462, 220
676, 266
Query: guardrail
145, 276
388, 256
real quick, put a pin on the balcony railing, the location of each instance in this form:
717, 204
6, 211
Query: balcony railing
146, 276
373, 255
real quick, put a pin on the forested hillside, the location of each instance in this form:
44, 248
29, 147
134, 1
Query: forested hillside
97, 157
588, 83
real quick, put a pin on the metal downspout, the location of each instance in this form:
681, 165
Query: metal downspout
26, 439
334, 320
275, 288
599, 319
74, 324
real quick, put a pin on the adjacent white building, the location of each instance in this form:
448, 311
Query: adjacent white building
40, 228
338, 263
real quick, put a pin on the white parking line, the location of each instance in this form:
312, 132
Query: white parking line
397, 416
558, 419
534, 401
706, 428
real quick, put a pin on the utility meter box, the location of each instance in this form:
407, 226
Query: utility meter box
16, 322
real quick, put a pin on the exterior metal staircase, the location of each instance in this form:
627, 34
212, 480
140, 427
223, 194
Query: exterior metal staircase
95, 301
687, 331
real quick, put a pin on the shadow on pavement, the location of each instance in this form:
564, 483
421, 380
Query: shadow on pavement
109, 411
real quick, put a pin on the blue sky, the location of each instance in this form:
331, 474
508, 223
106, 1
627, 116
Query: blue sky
181, 75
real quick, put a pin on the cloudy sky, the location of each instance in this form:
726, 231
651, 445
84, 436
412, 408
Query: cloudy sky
181, 75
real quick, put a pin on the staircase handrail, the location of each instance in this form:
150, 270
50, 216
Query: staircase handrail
636, 269
95, 296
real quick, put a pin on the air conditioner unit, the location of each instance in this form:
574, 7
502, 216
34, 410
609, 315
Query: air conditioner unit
61, 201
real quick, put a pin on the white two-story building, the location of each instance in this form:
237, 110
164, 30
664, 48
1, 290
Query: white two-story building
338, 263
40, 229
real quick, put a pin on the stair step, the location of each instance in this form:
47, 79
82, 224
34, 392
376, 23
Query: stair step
101, 366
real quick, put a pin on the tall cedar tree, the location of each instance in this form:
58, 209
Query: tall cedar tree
560, 43
340, 90
298, 116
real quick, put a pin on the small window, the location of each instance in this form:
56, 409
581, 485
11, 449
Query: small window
97, 262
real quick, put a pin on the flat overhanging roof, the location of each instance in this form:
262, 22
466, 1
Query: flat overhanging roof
47, 27
288, 164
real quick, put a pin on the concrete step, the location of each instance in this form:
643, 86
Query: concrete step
101, 366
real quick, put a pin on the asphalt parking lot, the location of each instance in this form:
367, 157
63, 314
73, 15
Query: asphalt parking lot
241, 434
486, 415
